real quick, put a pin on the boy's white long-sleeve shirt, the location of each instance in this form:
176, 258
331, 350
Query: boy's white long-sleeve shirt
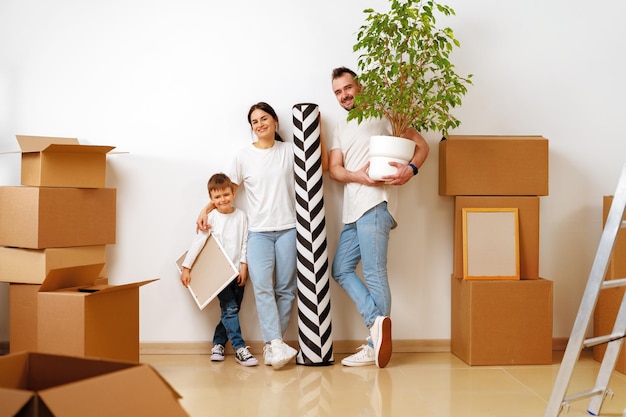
232, 232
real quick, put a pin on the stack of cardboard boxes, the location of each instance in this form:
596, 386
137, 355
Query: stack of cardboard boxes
496, 321
74, 339
610, 299
54, 229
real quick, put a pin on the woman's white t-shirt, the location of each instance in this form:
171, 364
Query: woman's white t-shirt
268, 178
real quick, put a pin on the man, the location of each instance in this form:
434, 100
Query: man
367, 215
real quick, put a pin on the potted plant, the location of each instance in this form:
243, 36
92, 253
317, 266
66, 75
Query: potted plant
406, 74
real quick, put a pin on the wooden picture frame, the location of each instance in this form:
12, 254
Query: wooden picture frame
211, 272
491, 243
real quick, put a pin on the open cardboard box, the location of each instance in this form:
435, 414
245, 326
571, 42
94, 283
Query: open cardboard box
54, 217
43, 385
62, 162
77, 317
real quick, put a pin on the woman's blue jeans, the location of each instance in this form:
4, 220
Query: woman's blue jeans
272, 267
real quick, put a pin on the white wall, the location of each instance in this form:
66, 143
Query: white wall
170, 82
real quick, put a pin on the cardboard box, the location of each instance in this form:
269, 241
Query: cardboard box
610, 299
41, 385
23, 315
617, 263
78, 318
502, 322
604, 315
528, 215
493, 165
48, 217
62, 162
30, 266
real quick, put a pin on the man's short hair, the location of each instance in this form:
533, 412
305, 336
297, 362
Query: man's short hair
338, 72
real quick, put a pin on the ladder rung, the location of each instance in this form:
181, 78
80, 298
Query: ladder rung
583, 394
613, 283
594, 341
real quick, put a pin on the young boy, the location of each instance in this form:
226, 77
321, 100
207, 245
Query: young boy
230, 226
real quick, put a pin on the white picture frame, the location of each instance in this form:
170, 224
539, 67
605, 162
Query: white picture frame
211, 272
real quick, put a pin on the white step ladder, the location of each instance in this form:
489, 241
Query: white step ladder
595, 283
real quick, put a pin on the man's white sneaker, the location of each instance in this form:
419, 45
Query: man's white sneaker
217, 353
381, 339
281, 353
364, 357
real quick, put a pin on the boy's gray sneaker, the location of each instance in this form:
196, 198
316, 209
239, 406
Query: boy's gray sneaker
217, 353
245, 358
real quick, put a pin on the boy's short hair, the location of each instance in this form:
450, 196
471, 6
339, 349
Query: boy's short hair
219, 181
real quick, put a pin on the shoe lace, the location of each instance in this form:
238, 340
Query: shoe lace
218, 349
363, 351
244, 353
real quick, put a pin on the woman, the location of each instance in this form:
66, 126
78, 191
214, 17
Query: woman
265, 168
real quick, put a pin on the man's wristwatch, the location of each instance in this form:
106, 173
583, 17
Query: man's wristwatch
415, 170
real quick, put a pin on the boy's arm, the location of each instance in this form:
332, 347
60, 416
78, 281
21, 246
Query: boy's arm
243, 274
185, 276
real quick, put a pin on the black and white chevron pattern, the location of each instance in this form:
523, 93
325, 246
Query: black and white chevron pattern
314, 319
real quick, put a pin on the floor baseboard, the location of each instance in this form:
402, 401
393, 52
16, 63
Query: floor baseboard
339, 346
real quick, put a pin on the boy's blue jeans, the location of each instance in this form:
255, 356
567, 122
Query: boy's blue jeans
366, 240
229, 328
272, 267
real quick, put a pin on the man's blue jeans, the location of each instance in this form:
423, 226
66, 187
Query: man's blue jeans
229, 328
366, 240
272, 267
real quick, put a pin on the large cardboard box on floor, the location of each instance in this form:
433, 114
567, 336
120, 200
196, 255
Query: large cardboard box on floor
78, 318
30, 266
62, 162
610, 299
502, 322
493, 165
41, 385
23, 315
50, 217
528, 217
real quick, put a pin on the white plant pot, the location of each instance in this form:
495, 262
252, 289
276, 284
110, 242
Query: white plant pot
385, 149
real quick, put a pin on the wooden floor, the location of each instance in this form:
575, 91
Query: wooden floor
413, 384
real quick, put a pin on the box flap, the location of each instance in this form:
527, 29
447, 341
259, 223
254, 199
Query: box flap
78, 148
12, 401
110, 394
39, 143
111, 288
76, 276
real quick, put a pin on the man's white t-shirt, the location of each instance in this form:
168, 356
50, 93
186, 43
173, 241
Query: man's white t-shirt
353, 139
268, 178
